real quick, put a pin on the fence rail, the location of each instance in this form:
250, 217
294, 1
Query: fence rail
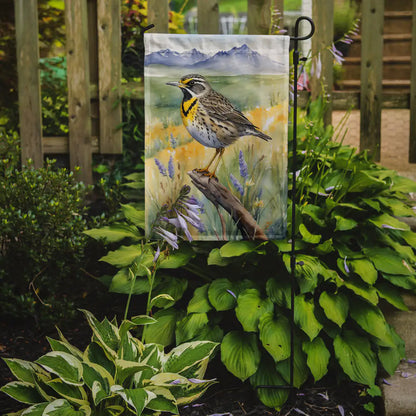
94, 73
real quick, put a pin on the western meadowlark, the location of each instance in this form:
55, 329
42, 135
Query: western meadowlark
211, 119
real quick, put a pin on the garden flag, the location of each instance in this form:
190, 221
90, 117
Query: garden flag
216, 111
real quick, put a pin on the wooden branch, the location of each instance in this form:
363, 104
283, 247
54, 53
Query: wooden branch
218, 194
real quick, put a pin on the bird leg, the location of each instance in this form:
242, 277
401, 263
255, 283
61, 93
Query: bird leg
218, 151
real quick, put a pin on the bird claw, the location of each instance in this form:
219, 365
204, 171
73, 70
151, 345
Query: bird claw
206, 172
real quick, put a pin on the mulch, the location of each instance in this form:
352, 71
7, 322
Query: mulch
228, 398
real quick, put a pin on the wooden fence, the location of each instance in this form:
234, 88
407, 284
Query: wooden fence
94, 73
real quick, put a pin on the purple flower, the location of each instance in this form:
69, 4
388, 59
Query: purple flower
231, 293
184, 226
160, 166
177, 381
171, 168
316, 67
237, 185
339, 58
386, 382
173, 141
341, 410
347, 269
243, 166
170, 238
157, 254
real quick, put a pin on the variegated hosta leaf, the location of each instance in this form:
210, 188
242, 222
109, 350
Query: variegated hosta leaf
25, 370
126, 369
183, 389
63, 345
61, 407
96, 354
105, 332
137, 399
35, 410
152, 356
74, 394
98, 379
130, 349
23, 392
64, 365
127, 324
164, 402
190, 359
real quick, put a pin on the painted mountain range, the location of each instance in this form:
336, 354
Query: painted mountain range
238, 60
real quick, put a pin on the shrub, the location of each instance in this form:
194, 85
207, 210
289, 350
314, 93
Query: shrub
41, 243
114, 375
352, 254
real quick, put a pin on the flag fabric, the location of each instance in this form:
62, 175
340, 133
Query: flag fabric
225, 99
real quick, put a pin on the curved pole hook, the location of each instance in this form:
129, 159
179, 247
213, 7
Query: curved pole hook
309, 35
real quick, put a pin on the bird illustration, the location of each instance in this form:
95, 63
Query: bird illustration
211, 119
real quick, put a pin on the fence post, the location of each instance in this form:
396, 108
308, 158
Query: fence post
158, 14
208, 17
79, 106
30, 107
109, 75
371, 75
258, 17
412, 142
323, 16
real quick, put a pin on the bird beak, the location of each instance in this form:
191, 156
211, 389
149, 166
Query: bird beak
175, 84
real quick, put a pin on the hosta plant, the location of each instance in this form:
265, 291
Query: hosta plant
115, 375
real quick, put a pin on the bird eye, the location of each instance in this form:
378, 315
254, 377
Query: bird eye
191, 83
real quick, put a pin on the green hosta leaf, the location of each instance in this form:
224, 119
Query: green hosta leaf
23, 392
325, 248
285, 246
171, 286
64, 365
139, 320
106, 333
137, 399
363, 181
61, 407
210, 333
318, 357
390, 357
190, 326
178, 258
300, 368
362, 289
275, 336
316, 213
250, 308
73, 394
266, 375
391, 294
370, 318
335, 306
240, 354
190, 359
389, 222
365, 269
402, 184
24, 370
278, 290
305, 316
115, 232
199, 302
388, 261
237, 248
409, 237
163, 331
344, 224
126, 255
122, 283
397, 207
306, 271
162, 297
220, 294
114, 410
96, 355
35, 410
356, 357
406, 282
136, 216
372, 204
164, 402
307, 236
215, 259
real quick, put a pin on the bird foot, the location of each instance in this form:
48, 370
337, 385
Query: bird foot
206, 172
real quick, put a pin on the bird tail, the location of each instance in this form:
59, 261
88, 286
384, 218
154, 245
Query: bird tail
260, 134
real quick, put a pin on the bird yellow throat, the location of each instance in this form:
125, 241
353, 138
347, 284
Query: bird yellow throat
188, 110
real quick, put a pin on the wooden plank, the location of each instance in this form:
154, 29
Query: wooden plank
60, 145
109, 75
208, 17
412, 142
323, 16
372, 12
30, 107
79, 108
158, 14
258, 17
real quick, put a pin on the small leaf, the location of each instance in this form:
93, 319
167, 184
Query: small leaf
23, 392
279, 290
219, 296
305, 316
392, 295
163, 296
307, 236
215, 259
335, 306
275, 336
344, 224
387, 221
136, 216
240, 354
190, 326
114, 233
365, 269
199, 302
388, 261
300, 368
237, 248
318, 357
163, 331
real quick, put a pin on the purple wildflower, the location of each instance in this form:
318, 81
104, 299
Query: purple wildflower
173, 141
324, 395
171, 168
341, 410
231, 293
411, 361
316, 67
170, 238
339, 58
160, 166
177, 381
237, 184
184, 226
386, 382
300, 412
157, 254
243, 166
347, 269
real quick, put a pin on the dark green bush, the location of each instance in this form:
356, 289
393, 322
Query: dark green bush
41, 240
